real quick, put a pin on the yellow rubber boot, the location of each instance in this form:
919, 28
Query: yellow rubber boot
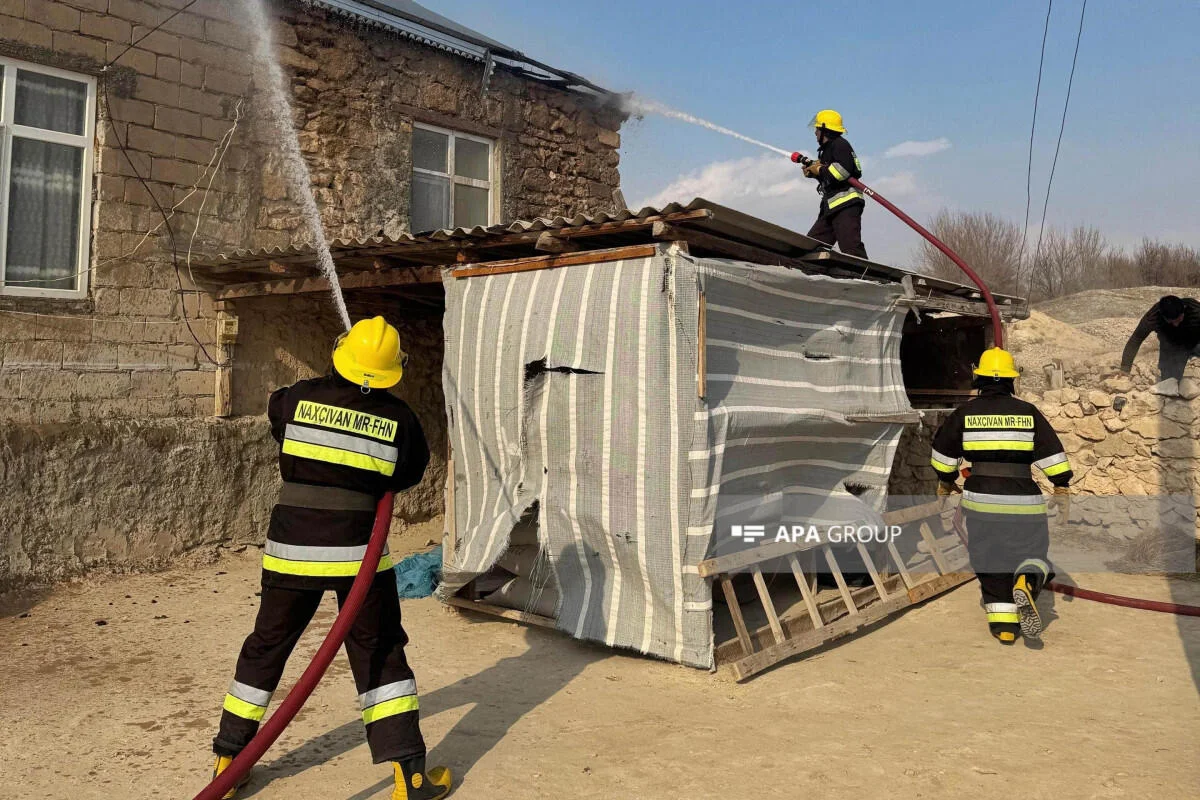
1031, 620
223, 763
413, 782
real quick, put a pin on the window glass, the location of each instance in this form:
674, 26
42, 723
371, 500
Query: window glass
470, 206
43, 214
430, 203
471, 159
50, 103
430, 150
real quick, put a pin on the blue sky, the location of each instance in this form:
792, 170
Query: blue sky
962, 72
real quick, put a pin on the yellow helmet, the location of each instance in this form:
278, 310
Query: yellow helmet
828, 119
370, 355
997, 363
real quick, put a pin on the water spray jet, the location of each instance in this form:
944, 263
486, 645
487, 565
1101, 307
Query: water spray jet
279, 108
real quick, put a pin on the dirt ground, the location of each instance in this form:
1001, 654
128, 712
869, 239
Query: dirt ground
112, 688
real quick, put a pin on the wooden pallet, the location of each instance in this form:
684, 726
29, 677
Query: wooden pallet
819, 620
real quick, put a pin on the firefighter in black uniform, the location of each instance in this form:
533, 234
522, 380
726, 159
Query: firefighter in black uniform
840, 220
344, 442
1176, 320
1007, 531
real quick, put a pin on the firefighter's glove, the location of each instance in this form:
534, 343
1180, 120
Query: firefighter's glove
1060, 503
947, 488
813, 170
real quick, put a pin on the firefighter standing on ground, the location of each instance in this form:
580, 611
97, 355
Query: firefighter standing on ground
344, 442
1008, 535
840, 220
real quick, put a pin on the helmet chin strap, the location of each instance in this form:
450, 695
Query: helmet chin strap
366, 387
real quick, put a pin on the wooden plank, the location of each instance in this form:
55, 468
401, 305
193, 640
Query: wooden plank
735, 613
351, 280
796, 621
737, 250
505, 613
904, 516
810, 602
933, 586
768, 657
765, 598
934, 550
702, 349
751, 665
906, 418
839, 579
745, 558
872, 571
899, 562
550, 262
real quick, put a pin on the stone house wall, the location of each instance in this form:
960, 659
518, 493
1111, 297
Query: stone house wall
185, 104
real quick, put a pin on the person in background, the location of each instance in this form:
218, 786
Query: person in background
840, 218
1176, 320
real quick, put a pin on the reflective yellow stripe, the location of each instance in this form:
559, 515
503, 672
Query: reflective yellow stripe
998, 445
344, 419
844, 197
389, 708
940, 467
332, 455
1058, 469
320, 569
240, 708
836, 171
1003, 616
1003, 508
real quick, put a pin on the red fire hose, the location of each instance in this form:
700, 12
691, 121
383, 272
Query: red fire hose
296, 698
997, 328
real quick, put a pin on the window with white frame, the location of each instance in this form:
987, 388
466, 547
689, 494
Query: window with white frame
452, 180
46, 132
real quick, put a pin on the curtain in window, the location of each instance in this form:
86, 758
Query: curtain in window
43, 214
54, 104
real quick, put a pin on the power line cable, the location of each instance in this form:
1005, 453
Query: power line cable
1033, 127
138, 40
1066, 104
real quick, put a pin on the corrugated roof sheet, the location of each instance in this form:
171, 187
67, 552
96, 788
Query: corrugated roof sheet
481, 245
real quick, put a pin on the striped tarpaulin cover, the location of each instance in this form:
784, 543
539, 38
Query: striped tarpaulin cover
575, 389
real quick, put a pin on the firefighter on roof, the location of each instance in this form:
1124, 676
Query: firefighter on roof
1007, 531
840, 219
344, 442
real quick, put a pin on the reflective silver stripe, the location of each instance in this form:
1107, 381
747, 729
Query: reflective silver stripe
1000, 608
942, 458
838, 171
298, 552
1005, 499
342, 441
374, 697
1034, 563
858, 163
1050, 461
998, 436
255, 697
841, 197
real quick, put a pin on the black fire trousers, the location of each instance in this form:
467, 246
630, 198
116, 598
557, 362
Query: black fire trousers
843, 227
375, 647
1001, 549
